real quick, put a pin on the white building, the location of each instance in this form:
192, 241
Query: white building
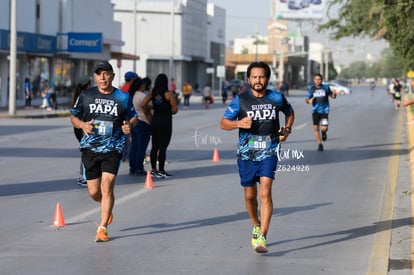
57, 40
180, 38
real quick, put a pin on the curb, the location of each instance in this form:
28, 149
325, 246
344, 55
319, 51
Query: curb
410, 131
36, 116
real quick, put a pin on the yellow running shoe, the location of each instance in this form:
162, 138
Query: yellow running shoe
101, 235
255, 234
260, 246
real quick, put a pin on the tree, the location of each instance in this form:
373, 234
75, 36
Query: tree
391, 20
385, 67
389, 68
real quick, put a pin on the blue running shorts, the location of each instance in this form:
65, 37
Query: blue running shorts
250, 171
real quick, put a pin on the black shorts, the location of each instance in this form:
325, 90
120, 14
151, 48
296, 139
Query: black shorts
96, 163
318, 117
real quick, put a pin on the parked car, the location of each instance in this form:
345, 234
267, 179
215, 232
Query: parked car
339, 89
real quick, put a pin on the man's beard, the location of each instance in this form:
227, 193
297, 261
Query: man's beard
256, 89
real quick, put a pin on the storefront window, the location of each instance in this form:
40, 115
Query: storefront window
63, 76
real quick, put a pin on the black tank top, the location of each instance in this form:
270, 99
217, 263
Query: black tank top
162, 107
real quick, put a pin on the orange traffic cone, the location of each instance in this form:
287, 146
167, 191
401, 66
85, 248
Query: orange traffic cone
216, 157
148, 181
59, 220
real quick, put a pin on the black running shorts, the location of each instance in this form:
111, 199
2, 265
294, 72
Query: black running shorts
96, 163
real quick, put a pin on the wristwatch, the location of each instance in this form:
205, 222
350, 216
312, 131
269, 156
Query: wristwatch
288, 129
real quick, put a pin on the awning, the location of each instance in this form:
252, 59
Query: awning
120, 55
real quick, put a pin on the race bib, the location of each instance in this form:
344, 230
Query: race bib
103, 128
259, 142
319, 93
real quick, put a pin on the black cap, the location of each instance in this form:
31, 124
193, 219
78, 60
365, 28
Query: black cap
103, 65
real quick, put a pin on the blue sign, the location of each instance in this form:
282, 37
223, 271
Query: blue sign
84, 42
29, 42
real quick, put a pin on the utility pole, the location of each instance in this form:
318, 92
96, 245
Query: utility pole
135, 36
326, 51
13, 58
171, 63
257, 46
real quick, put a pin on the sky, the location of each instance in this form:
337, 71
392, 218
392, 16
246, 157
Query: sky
247, 17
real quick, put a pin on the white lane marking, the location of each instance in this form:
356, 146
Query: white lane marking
96, 210
300, 126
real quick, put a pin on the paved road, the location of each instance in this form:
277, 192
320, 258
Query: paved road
335, 212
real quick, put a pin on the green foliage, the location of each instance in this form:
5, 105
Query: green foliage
385, 67
391, 20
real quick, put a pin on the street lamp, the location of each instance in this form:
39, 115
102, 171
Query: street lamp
277, 29
13, 58
326, 52
256, 41
171, 62
283, 41
135, 35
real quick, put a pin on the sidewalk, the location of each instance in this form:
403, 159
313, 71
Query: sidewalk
36, 111
64, 106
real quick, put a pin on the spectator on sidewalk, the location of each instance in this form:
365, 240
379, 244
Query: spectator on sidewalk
187, 91
141, 133
207, 96
129, 77
164, 107
49, 96
27, 93
84, 83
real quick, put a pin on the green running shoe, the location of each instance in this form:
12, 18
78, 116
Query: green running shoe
255, 234
260, 246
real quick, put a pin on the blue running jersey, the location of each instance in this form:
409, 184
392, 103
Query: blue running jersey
321, 102
108, 112
262, 139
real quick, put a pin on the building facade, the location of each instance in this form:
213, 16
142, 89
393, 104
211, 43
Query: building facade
57, 40
182, 39
286, 54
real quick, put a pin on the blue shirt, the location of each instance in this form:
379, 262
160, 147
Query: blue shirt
321, 102
108, 112
262, 139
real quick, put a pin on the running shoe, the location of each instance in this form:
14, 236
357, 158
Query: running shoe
154, 173
163, 175
255, 234
324, 136
320, 147
111, 217
101, 235
260, 246
82, 182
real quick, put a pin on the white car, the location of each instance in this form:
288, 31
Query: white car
339, 89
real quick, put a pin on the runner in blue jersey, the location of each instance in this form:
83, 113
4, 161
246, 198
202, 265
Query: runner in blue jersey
104, 113
318, 96
255, 113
